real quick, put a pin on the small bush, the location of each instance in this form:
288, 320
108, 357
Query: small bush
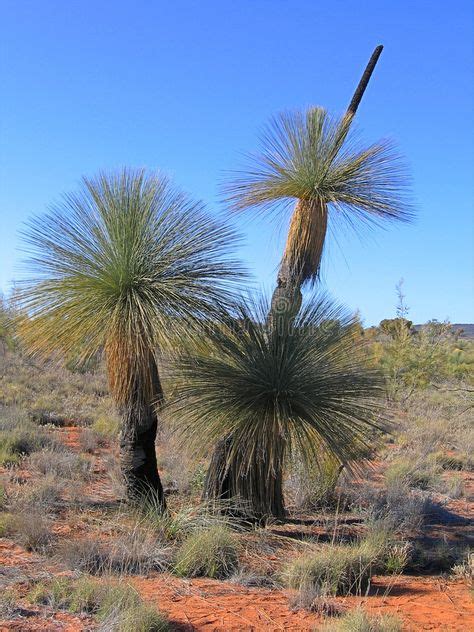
32, 530
209, 553
5, 524
438, 557
117, 606
106, 426
359, 621
19, 437
339, 569
312, 600
415, 473
251, 579
397, 505
316, 488
65, 465
464, 569
8, 605
3, 497
136, 551
457, 462
141, 618
42, 495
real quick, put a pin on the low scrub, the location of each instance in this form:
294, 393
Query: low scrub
340, 569
20, 437
437, 557
359, 620
33, 530
64, 465
418, 473
136, 551
116, 606
210, 553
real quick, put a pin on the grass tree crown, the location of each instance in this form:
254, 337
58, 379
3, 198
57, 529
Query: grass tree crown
302, 385
316, 159
122, 264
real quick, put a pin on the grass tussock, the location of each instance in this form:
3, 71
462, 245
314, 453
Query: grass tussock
116, 606
135, 551
359, 620
64, 465
31, 529
20, 437
208, 553
342, 569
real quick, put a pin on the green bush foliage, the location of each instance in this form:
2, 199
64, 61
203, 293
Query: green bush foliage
210, 553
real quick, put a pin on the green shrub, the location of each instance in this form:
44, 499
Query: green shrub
455, 462
32, 529
117, 605
421, 474
19, 437
334, 569
136, 551
359, 621
209, 553
5, 524
106, 426
437, 557
340, 569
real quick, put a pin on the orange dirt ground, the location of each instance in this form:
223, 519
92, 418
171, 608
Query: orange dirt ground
422, 602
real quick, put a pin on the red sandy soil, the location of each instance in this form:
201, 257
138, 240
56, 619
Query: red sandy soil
422, 602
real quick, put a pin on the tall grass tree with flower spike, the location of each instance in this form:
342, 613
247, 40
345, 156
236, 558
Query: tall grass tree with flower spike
128, 265
314, 162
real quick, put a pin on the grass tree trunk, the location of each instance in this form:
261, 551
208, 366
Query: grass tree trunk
139, 416
256, 492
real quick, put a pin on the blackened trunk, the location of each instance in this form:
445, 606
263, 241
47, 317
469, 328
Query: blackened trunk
137, 440
254, 493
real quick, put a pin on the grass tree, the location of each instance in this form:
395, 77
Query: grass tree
299, 386
313, 163
127, 265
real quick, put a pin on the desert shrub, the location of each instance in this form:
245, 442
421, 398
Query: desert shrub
64, 465
316, 487
90, 440
251, 579
117, 606
210, 553
400, 507
5, 524
339, 569
187, 519
8, 604
3, 497
464, 569
42, 495
434, 557
19, 437
420, 473
334, 570
314, 600
135, 551
358, 620
140, 618
47, 387
106, 426
456, 462
453, 486
32, 530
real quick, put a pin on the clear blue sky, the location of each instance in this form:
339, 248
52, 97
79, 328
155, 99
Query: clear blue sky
186, 86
